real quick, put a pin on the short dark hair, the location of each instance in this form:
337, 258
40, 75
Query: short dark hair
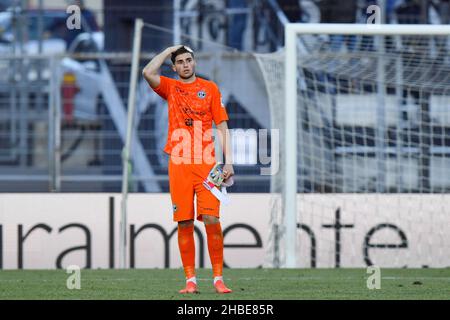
180, 51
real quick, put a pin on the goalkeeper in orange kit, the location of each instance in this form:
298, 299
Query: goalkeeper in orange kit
193, 104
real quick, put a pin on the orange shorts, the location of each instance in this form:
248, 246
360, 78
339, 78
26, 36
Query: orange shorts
185, 181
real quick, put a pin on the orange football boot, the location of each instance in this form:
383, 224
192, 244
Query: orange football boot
221, 288
191, 287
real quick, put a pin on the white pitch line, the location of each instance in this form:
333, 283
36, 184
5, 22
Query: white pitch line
416, 278
346, 278
243, 279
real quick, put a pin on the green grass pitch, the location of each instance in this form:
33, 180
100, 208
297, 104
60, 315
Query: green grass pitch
257, 284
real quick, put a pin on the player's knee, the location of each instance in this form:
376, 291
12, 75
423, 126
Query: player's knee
207, 219
185, 223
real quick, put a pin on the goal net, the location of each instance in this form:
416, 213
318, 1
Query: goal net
363, 114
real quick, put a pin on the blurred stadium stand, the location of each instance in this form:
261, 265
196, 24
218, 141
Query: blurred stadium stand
77, 148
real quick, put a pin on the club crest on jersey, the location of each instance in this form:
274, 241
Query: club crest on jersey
201, 94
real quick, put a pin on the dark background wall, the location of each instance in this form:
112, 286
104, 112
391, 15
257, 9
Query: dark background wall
119, 23
119, 27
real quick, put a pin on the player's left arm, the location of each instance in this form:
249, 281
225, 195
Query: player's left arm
225, 142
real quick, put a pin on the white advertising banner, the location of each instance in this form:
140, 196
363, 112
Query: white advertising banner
47, 231
387, 230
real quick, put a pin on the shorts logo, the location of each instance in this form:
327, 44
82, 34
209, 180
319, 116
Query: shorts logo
201, 94
175, 208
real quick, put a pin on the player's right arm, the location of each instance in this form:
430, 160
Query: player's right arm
151, 70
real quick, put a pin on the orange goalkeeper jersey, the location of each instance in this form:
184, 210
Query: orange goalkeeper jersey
192, 108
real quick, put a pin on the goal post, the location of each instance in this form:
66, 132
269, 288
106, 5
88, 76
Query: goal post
291, 215
356, 122
290, 136
126, 163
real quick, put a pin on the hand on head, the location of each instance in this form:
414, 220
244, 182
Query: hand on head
175, 48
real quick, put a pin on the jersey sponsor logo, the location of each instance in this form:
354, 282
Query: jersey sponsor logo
189, 111
201, 94
181, 91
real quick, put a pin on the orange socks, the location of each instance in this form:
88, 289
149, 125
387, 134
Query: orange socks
187, 249
215, 247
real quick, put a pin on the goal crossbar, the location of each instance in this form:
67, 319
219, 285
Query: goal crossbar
291, 29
